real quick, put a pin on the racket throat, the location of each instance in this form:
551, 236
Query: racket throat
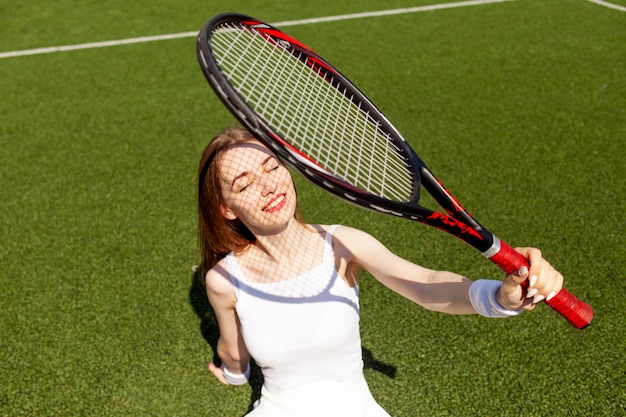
446, 200
505, 257
494, 249
479, 238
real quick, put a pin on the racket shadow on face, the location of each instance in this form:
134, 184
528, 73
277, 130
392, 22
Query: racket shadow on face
210, 332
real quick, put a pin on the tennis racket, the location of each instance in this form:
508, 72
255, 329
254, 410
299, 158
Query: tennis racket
316, 120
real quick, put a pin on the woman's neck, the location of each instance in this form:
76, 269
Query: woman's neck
287, 244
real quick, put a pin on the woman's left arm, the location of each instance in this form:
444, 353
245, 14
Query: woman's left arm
442, 291
434, 290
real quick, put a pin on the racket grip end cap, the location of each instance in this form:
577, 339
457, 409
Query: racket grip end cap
577, 313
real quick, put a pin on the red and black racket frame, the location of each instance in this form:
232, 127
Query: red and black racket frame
457, 221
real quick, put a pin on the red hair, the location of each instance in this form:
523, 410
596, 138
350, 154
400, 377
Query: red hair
217, 235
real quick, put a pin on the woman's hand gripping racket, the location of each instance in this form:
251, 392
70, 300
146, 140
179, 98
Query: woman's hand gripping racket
315, 119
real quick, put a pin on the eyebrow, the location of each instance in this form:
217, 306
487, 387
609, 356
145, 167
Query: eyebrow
245, 173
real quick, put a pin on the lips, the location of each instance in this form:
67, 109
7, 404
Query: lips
275, 204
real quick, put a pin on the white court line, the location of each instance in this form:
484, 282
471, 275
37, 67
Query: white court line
609, 5
91, 45
388, 12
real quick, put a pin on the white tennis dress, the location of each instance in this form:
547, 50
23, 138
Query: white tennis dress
304, 334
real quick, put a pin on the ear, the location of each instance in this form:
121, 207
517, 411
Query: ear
227, 213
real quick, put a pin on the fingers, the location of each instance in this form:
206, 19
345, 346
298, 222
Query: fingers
544, 282
519, 276
217, 372
522, 274
513, 294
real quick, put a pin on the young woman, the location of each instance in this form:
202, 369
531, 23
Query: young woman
286, 293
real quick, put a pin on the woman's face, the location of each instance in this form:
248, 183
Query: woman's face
256, 188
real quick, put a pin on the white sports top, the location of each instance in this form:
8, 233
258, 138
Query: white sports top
301, 330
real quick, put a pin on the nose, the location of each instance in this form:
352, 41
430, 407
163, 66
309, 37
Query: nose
268, 185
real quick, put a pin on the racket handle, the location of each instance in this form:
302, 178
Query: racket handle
577, 313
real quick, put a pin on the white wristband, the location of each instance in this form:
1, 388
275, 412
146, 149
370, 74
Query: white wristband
236, 379
482, 294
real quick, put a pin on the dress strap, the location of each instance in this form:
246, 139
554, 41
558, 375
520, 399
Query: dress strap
331, 229
234, 272
329, 256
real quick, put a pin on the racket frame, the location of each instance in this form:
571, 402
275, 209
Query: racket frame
457, 221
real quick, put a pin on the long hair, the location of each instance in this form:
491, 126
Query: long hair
218, 235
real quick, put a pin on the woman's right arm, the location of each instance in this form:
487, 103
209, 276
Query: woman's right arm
230, 347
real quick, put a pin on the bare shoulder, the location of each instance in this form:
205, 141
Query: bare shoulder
217, 280
355, 244
350, 236
350, 243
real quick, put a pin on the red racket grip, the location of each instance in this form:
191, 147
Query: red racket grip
577, 313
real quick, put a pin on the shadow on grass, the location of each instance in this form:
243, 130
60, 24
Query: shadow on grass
210, 331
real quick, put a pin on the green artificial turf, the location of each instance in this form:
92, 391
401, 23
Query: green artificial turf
519, 108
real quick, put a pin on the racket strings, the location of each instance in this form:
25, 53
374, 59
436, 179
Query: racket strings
316, 115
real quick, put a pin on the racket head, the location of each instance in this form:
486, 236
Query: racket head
247, 101
258, 73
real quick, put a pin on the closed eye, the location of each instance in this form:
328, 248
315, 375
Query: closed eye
271, 164
244, 187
